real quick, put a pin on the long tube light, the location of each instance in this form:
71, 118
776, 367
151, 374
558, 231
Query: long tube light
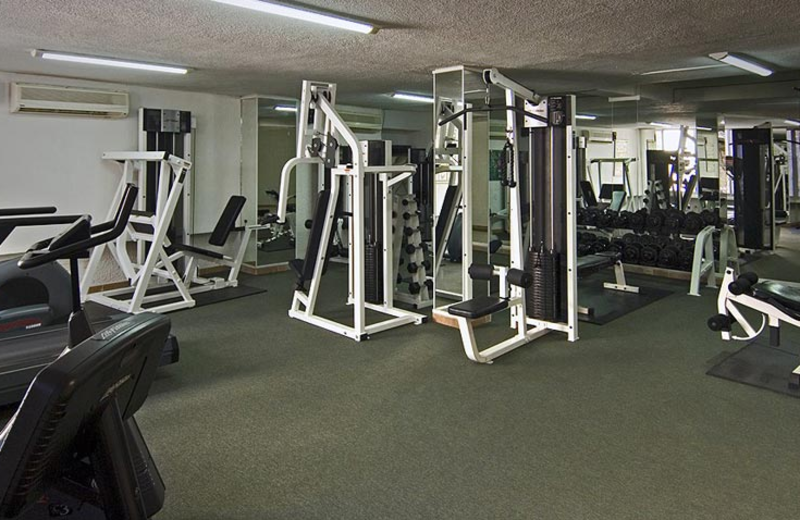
302, 14
108, 62
741, 63
794, 122
680, 69
661, 125
585, 117
285, 108
412, 97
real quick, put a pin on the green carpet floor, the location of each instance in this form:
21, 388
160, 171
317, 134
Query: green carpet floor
270, 418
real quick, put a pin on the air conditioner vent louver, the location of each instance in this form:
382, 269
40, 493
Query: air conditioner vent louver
53, 99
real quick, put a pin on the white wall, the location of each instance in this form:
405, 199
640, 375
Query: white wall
55, 160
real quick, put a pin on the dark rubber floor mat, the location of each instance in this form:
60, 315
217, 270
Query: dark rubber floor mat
607, 305
762, 366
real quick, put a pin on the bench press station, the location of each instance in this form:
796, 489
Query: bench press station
776, 302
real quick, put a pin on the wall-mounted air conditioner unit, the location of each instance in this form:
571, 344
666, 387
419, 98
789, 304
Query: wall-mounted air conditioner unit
601, 136
78, 101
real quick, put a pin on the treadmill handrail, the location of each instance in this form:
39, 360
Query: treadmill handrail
35, 210
41, 254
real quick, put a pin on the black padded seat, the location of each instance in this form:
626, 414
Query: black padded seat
198, 250
478, 307
785, 297
597, 261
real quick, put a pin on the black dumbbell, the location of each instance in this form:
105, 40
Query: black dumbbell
414, 288
649, 255
631, 253
637, 221
710, 218
622, 220
673, 221
655, 221
693, 223
409, 231
669, 257
412, 267
606, 219
591, 216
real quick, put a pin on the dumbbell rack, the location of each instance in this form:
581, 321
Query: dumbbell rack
667, 243
413, 286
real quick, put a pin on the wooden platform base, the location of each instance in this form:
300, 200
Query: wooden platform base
441, 317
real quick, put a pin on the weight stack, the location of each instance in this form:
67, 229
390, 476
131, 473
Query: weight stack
543, 297
373, 273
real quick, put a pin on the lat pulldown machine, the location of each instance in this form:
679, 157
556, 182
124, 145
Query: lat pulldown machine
540, 284
367, 183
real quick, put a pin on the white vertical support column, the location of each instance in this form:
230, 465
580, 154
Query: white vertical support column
388, 240
572, 245
518, 312
465, 181
357, 187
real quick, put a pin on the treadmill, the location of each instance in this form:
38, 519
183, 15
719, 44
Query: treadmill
24, 353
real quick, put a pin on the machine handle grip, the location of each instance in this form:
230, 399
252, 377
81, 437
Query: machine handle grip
16, 212
67, 244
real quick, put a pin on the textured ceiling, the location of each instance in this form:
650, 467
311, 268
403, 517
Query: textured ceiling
594, 47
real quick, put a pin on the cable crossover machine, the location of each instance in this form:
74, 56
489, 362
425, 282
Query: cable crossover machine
539, 285
359, 191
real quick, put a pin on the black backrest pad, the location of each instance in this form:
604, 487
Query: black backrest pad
588, 194
227, 221
447, 207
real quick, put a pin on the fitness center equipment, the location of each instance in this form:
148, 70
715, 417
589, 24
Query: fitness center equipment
73, 446
24, 352
609, 191
754, 188
414, 286
154, 274
775, 301
368, 183
35, 298
540, 285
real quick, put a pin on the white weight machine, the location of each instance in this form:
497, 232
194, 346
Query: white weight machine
371, 278
155, 265
540, 284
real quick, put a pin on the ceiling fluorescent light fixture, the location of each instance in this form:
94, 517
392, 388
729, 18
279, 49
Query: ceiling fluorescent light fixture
585, 117
108, 62
302, 14
794, 122
703, 128
681, 69
622, 99
285, 108
419, 98
741, 63
660, 125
